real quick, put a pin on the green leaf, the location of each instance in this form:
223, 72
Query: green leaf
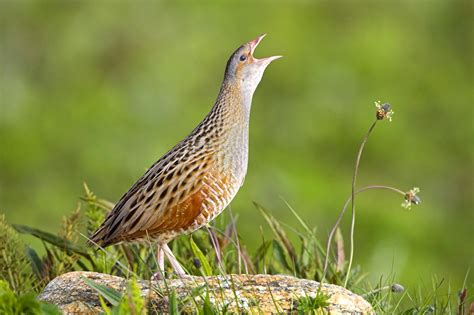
311, 233
10, 303
134, 295
207, 308
261, 252
27, 304
279, 254
35, 262
104, 306
300, 220
206, 267
280, 234
8, 300
52, 239
173, 304
111, 295
49, 309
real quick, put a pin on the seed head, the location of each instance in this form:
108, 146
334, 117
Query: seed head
197, 263
411, 198
384, 111
397, 288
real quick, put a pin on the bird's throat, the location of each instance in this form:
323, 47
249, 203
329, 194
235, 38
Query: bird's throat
231, 114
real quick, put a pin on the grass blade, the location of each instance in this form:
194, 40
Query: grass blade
35, 262
261, 251
279, 255
111, 295
173, 304
206, 268
51, 239
279, 233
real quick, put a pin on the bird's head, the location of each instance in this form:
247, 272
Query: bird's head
246, 70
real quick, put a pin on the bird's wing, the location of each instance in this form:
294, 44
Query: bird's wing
167, 197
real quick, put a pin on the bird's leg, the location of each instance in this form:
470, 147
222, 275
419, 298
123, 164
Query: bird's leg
160, 258
173, 261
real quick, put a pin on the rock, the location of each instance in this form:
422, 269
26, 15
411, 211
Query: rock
241, 293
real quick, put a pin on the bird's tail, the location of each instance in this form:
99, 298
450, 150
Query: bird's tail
98, 238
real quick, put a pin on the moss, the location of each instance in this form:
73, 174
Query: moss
14, 264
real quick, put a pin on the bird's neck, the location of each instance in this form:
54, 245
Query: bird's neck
228, 125
232, 107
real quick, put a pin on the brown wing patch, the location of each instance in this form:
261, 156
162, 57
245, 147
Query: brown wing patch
180, 216
176, 218
162, 206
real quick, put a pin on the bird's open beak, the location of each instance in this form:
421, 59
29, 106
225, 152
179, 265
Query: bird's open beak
253, 44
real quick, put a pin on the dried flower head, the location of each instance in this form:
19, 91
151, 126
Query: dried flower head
384, 111
197, 263
411, 198
397, 288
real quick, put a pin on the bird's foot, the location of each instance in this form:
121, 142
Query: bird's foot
180, 272
158, 276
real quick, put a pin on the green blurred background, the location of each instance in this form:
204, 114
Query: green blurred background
97, 91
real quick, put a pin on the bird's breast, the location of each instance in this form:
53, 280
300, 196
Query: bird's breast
233, 156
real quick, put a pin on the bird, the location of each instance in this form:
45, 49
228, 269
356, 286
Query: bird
197, 179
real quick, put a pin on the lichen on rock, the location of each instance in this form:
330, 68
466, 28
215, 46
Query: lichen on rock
237, 293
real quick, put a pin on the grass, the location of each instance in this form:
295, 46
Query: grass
303, 258
215, 250
311, 305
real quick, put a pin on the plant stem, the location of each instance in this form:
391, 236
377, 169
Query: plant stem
354, 178
341, 214
239, 253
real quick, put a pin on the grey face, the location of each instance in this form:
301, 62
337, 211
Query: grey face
246, 70
239, 59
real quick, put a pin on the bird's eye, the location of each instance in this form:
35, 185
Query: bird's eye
243, 58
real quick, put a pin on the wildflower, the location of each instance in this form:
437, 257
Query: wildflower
384, 111
411, 198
